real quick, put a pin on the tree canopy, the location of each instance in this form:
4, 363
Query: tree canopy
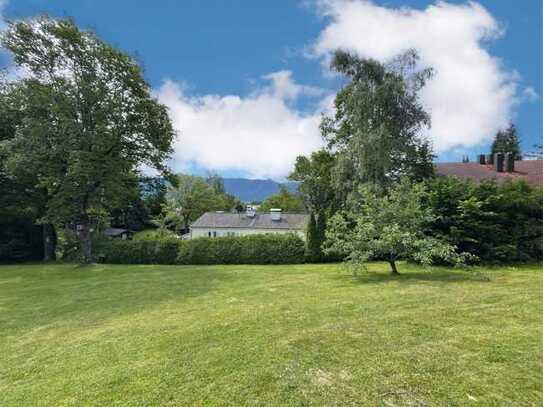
191, 197
87, 122
388, 227
377, 130
314, 174
284, 200
507, 141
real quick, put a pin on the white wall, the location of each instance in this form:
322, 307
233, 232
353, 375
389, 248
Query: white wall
221, 232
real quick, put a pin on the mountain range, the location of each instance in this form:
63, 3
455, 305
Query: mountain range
250, 190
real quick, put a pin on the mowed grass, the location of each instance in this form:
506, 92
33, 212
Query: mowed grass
269, 335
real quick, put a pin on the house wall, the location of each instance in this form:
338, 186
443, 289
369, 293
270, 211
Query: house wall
221, 232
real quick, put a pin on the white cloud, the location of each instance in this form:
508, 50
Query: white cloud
530, 94
471, 95
260, 134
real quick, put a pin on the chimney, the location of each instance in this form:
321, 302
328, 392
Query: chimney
510, 162
482, 159
275, 214
498, 162
490, 159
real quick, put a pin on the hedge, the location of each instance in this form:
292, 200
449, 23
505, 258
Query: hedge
254, 249
20, 239
496, 222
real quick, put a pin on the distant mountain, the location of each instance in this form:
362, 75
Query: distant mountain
248, 190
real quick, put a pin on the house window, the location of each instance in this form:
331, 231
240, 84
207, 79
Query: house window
208, 234
214, 234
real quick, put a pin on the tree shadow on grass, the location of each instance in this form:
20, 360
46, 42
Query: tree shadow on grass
414, 277
44, 295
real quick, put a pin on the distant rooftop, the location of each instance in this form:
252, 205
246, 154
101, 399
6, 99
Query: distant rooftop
529, 170
288, 221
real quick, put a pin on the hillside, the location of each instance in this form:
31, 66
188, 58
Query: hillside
248, 190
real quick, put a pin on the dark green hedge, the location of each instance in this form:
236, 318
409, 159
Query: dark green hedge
255, 249
20, 239
497, 222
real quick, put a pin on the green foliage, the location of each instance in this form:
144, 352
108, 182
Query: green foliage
314, 174
190, 198
254, 249
146, 204
376, 130
229, 202
390, 227
312, 243
20, 239
118, 251
216, 182
507, 141
22, 203
284, 200
153, 234
495, 222
86, 122
316, 233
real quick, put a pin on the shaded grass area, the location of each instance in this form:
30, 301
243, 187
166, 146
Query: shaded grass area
269, 335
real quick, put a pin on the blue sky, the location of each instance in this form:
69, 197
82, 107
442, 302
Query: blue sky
246, 81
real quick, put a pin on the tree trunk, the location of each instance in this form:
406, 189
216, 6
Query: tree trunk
86, 242
393, 269
49, 242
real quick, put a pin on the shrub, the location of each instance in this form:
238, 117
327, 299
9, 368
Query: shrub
254, 249
495, 222
116, 251
154, 234
20, 239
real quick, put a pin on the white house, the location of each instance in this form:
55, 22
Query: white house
218, 224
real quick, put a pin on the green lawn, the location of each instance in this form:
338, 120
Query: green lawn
269, 335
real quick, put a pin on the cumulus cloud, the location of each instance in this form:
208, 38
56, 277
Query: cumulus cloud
260, 134
530, 94
471, 94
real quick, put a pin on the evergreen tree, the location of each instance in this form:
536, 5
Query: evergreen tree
507, 141
321, 232
313, 243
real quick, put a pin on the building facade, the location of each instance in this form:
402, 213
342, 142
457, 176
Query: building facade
222, 224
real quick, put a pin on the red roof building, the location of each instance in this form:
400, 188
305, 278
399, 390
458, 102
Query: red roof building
529, 170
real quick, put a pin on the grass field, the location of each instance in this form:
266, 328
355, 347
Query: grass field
269, 335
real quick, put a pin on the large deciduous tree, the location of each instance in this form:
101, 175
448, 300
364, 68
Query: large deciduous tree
377, 130
88, 122
189, 199
20, 192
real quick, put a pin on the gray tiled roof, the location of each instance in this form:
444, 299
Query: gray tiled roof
292, 221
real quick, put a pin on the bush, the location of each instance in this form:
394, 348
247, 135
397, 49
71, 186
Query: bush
254, 249
118, 251
496, 222
154, 234
20, 239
